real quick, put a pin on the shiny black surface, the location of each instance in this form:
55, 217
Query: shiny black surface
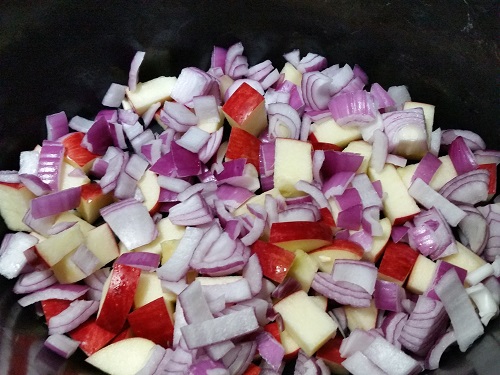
62, 55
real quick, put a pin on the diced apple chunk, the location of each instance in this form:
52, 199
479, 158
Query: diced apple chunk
421, 275
399, 206
291, 74
328, 131
308, 325
303, 269
361, 317
292, 163
14, 203
362, 148
444, 173
125, 357
465, 258
147, 93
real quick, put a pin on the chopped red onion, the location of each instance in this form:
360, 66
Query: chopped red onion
343, 292
352, 108
473, 140
220, 329
115, 95
464, 320
77, 313
388, 296
316, 90
57, 125
426, 168
359, 364
469, 187
311, 62
284, 121
340, 79
80, 124
130, 221
178, 264
58, 291
55, 203
61, 345
50, 163
429, 198
381, 97
133, 76
461, 156
194, 139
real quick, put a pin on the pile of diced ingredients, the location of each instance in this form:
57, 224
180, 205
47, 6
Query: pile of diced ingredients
243, 219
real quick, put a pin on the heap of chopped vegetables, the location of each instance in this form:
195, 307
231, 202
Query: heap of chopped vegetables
234, 220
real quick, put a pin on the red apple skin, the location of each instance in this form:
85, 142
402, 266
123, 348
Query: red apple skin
119, 298
274, 329
242, 105
252, 369
160, 330
327, 218
78, 155
242, 144
492, 169
404, 219
91, 336
53, 307
330, 353
322, 145
15, 185
125, 333
343, 245
397, 262
274, 260
299, 230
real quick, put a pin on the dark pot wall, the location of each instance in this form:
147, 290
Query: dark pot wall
62, 55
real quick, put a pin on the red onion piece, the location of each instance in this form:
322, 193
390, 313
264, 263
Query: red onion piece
426, 168
133, 76
50, 163
115, 95
388, 296
55, 203
77, 313
473, 140
352, 108
98, 137
58, 291
434, 355
178, 264
80, 124
284, 121
441, 269
426, 323
429, 198
464, 320
220, 329
311, 62
461, 156
343, 292
357, 272
61, 345
359, 364
340, 79
130, 221
57, 125
381, 97
193, 211
469, 187
316, 90
191, 82
143, 260
33, 281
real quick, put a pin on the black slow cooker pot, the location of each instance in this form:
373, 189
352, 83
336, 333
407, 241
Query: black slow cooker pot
63, 55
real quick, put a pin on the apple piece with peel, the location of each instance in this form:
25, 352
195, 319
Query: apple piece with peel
91, 336
397, 262
429, 110
330, 354
465, 258
150, 189
242, 144
308, 325
14, 203
160, 330
92, 200
421, 275
148, 289
399, 206
361, 317
321, 301
291, 74
274, 261
125, 357
55, 247
444, 173
379, 242
364, 149
292, 163
303, 235
118, 297
256, 199
339, 249
148, 93
102, 243
71, 177
328, 131
303, 269
246, 109
75, 154
290, 346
